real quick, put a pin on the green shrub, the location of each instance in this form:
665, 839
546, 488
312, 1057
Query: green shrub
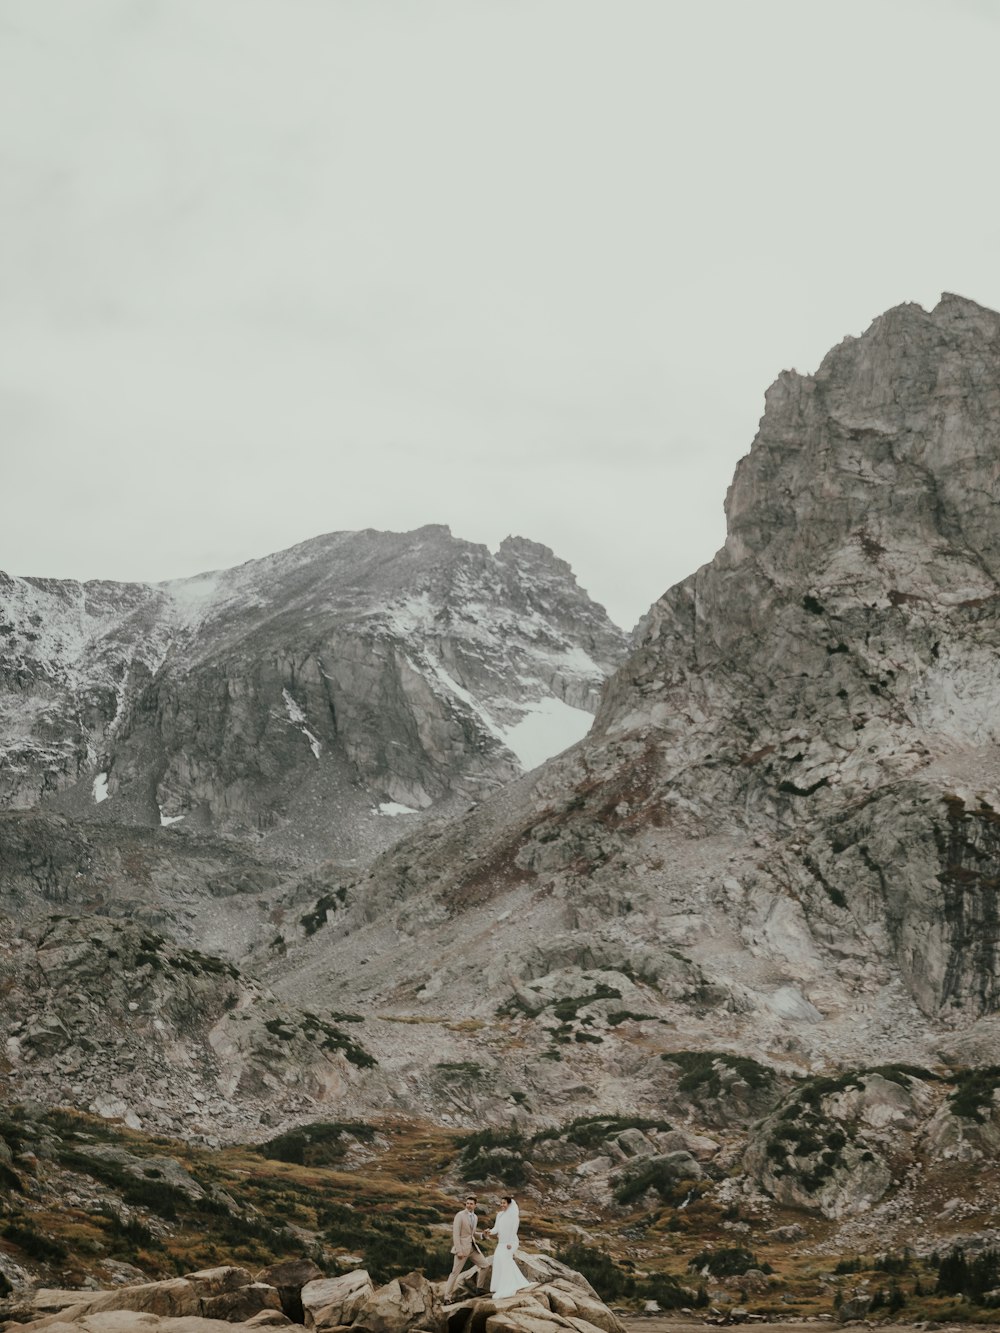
46, 1249
846, 1266
732, 1261
590, 1130
129, 1234
335, 1040
567, 1010
509, 1170
9, 1179
702, 1075
156, 1195
667, 1292
655, 1176
973, 1095
971, 1278
600, 1270
313, 920
322, 1143
894, 1264
471, 1144
627, 1015
388, 1245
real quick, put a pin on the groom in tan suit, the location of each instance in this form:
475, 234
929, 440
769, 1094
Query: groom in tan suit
464, 1246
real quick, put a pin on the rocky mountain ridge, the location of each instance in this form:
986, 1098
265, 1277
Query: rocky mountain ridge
306, 700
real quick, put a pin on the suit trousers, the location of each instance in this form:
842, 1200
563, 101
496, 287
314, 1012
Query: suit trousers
475, 1257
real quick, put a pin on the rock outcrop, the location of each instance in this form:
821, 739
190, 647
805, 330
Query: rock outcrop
229, 1298
113, 1018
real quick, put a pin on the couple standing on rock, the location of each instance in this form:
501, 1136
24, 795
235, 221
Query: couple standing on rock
506, 1278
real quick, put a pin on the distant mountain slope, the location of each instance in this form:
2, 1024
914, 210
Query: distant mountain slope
306, 698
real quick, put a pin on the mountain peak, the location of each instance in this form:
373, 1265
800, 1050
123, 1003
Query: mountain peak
303, 695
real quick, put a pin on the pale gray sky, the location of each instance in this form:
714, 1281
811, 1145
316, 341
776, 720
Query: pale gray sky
272, 268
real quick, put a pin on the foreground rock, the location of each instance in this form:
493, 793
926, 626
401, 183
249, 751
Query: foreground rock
229, 1298
334, 1301
543, 1308
226, 1295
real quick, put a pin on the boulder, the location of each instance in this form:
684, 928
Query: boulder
175, 1297
129, 1321
854, 1308
634, 1143
241, 1304
289, 1278
405, 1303
698, 1145
227, 1293
167, 1169
566, 1298
526, 1320
332, 1301
566, 1301
542, 1268
213, 1282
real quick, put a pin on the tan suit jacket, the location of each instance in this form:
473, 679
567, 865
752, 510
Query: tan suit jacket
463, 1233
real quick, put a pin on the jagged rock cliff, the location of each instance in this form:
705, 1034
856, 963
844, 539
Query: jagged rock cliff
302, 698
782, 833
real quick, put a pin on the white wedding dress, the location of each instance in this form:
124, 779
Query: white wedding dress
506, 1278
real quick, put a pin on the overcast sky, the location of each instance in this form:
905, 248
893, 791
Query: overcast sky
272, 268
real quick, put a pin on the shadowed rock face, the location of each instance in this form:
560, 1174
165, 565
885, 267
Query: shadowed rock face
287, 699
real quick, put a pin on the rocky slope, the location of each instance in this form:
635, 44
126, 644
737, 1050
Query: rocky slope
782, 835
304, 699
113, 1018
768, 874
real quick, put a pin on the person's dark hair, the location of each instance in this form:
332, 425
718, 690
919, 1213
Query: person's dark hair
471, 1197
506, 1198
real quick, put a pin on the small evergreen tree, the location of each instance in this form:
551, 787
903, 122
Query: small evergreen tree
953, 1274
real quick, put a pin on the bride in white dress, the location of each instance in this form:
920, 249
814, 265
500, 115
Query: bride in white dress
506, 1278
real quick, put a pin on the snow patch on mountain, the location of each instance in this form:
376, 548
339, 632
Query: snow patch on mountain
548, 727
298, 719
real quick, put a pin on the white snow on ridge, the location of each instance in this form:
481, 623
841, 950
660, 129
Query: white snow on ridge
101, 788
165, 820
410, 614
294, 710
192, 597
548, 727
298, 719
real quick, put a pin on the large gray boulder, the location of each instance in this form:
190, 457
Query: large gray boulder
408, 1302
332, 1302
